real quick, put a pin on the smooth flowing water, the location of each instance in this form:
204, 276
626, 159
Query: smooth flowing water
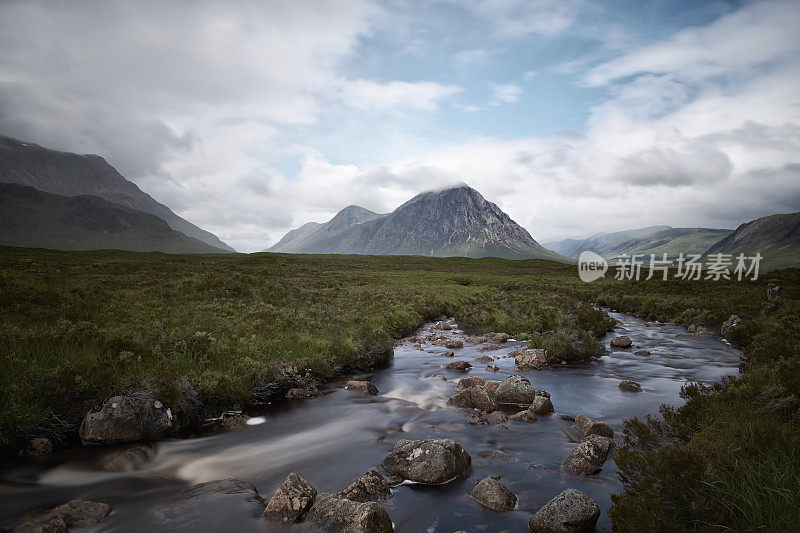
333, 439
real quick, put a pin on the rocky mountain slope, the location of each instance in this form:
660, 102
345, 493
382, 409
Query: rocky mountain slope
452, 222
601, 243
32, 218
71, 174
775, 237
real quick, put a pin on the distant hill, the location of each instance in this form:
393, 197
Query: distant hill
32, 218
775, 237
452, 222
673, 242
305, 237
71, 174
601, 243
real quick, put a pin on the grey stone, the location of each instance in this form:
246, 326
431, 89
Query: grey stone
292, 499
429, 461
127, 419
494, 495
572, 511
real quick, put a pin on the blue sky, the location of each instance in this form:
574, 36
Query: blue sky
575, 116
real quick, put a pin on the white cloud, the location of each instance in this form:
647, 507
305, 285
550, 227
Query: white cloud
505, 93
519, 18
470, 58
370, 95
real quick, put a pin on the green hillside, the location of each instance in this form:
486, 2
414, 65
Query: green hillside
775, 237
672, 242
36, 219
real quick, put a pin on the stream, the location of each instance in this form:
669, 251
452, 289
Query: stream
333, 439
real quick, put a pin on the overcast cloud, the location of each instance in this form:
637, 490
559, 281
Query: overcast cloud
250, 118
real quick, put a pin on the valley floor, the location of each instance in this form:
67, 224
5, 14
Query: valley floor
77, 327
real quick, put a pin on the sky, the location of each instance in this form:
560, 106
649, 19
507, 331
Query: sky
252, 117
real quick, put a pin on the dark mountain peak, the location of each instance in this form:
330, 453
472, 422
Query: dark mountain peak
353, 213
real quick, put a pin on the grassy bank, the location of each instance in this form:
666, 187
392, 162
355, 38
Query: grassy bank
76, 327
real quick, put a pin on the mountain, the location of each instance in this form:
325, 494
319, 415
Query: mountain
775, 237
601, 243
673, 242
71, 174
304, 237
451, 222
32, 218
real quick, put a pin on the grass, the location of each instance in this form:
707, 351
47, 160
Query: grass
76, 327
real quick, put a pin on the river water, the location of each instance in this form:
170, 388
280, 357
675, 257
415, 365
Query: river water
333, 439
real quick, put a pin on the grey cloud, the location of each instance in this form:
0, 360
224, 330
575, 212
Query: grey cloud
672, 168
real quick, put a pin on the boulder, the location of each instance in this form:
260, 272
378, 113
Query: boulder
531, 358
572, 511
587, 458
541, 405
299, 393
494, 495
51, 525
484, 359
449, 353
188, 408
474, 398
429, 461
498, 337
773, 292
630, 385
542, 392
586, 426
492, 368
470, 381
489, 347
497, 417
458, 365
292, 499
642, 352
127, 419
621, 342
475, 339
526, 415
336, 514
453, 343
729, 324
371, 487
515, 389
233, 421
476, 418
362, 386
74, 513
266, 394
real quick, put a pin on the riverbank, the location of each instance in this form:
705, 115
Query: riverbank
80, 327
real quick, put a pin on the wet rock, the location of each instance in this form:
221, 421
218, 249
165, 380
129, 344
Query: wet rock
475, 339
476, 418
541, 405
127, 419
586, 426
266, 394
130, 460
38, 446
484, 359
475, 398
188, 408
429, 461
729, 324
516, 389
572, 511
449, 353
371, 487
443, 325
630, 385
233, 421
492, 368
497, 454
497, 417
51, 525
492, 386
621, 342
642, 352
587, 458
74, 513
458, 365
526, 416
362, 386
292, 499
494, 495
470, 381
299, 393
498, 337
332, 513
542, 392
453, 343
565, 418
531, 358
489, 347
